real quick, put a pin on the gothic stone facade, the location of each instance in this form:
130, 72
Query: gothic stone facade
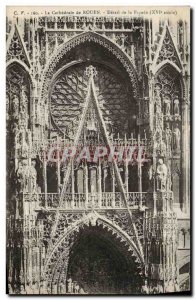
105, 227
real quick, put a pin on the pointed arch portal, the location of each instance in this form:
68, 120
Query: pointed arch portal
95, 254
99, 264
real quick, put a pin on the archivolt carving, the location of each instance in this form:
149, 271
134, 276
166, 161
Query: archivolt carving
79, 39
122, 220
66, 240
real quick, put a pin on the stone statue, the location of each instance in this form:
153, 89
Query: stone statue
160, 288
176, 106
168, 138
23, 114
161, 175
76, 287
169, 180
15, 106
21, 176
35, 288
145, 288
10, 290
170, 287
22, 290
69, 286
33, 176
177, 135
167, 106
158, 103
157, 138
41, 287
25, 149
24, 98
160, 145
23, 107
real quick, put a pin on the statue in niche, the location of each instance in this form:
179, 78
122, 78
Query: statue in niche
145, 288
93, 179
91, 125
160, 144
69, 286
17, 140
157, 140
169, 181
23, 117
35, 288
14, 128
22, 176
163, 148
76, 288
158, 102
15, 106
170, 287
167, 103
10, 290
160, 288
176, 106
25, 148
23, 107
177, 136
24, 98
33, 176
168, 138
158, 111
161, 175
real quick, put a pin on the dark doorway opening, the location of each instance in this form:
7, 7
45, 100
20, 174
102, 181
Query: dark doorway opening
99, 264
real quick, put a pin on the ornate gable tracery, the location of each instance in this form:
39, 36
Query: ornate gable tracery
16, 48
167, 50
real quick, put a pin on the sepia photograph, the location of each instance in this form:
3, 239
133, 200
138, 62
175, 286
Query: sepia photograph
98, 150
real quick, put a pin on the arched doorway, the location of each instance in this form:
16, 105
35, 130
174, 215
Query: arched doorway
101, 264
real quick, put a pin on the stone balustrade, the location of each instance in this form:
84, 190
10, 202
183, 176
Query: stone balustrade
77, 201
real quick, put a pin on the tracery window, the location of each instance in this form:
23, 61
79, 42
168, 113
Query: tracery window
69, 92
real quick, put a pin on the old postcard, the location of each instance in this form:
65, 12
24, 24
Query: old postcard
98, 150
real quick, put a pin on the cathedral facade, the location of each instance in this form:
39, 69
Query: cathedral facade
98, 154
